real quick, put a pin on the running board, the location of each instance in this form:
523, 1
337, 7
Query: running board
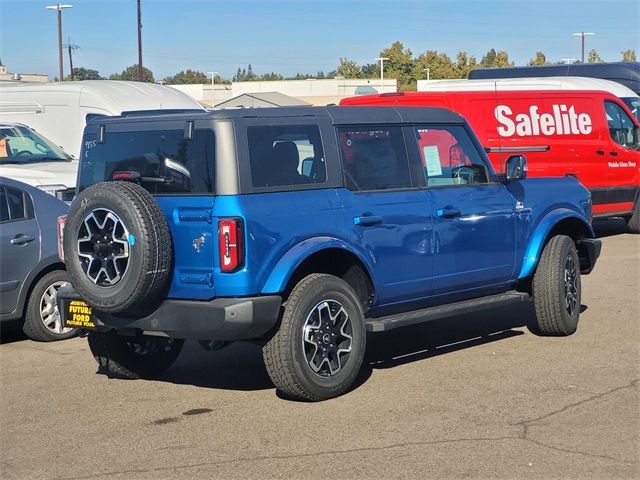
383, 324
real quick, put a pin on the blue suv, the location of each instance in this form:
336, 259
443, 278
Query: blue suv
303, 229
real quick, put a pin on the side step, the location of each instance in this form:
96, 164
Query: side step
382, 324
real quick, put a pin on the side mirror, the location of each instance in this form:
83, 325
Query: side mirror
516, 168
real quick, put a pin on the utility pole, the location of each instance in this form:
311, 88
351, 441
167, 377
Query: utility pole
582, 34
140, 78
71, 47
59, 8
381, 60
213, 74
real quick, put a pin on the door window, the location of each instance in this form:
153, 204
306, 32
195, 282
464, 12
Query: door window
15, 200
621, 127
374, 158
449, 157
4, 207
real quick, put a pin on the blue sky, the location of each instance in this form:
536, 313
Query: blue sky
290, 36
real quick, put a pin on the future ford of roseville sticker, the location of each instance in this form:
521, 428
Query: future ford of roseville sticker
563, 121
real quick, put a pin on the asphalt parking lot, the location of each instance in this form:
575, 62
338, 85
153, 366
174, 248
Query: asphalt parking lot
474, 397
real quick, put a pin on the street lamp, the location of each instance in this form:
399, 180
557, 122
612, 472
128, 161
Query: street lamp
59, 8
582, 34
381, 60
213, 74
427, 70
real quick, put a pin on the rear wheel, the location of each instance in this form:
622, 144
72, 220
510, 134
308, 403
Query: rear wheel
633, 222
142, 356
557, 288
318, 350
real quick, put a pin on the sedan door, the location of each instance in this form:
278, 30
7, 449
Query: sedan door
19, 244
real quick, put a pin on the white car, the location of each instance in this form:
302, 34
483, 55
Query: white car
28, 157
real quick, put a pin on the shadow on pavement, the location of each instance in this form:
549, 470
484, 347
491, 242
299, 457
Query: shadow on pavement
608, 227
11, 332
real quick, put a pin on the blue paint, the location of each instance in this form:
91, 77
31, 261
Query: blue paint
132, 239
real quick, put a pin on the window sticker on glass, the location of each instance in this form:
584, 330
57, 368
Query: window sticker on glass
432, 159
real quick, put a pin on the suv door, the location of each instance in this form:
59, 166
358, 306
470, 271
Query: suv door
386, 214
19, 244
473, 216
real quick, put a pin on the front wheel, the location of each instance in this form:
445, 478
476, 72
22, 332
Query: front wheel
136, 357
317, 352
557, 288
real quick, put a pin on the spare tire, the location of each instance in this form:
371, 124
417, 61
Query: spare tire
117, 247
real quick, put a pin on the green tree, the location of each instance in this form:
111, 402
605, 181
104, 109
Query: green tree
348, 69
131, 73
440, 66
464, 64
594, 57
489, 59
629, 55
540, 59
82, 73
502, 60
188, 77
400, 66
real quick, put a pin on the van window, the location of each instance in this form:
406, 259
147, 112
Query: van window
449, 156
162, 161
286, 155
374, 158
621, 127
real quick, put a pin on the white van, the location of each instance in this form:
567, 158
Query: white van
59, 111
628, 96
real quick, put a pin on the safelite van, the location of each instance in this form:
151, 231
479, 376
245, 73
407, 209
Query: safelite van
591, 135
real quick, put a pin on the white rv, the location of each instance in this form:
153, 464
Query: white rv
625, 94
59, 111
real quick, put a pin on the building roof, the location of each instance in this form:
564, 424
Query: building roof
263, 99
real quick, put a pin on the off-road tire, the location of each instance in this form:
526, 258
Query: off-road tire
550, 293
151, 251
118, 357
284, 354
34, 326
633, 222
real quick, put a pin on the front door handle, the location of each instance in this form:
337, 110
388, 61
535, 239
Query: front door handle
613, 154
367, 220
600, 152
448, 212
22, 240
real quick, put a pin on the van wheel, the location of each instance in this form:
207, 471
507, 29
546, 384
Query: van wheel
318, 350
117, 247
144, 356
633, 222
42, 320
557, 289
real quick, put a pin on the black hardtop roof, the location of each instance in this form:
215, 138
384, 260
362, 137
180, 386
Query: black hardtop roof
339, 115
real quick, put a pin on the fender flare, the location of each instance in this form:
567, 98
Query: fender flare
290, 261
537, 241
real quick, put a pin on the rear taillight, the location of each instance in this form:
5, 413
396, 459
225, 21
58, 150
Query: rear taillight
230, 244
61, 221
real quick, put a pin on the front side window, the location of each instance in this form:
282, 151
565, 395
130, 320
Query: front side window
449, 156
374, 158
286, 155
621, 127
162, 161
21, 145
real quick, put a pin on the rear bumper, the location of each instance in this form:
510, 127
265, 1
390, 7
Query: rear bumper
588, 251
218, 319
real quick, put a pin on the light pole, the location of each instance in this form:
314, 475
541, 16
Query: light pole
582, 34
381, 60
59, 8
213, 74
427, 70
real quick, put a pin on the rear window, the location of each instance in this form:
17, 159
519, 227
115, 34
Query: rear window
162, 161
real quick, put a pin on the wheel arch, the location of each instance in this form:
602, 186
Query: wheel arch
557, 222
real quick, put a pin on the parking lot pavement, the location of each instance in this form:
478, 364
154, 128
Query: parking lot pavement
477, 396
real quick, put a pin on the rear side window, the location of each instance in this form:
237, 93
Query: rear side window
162, 161
374, 158
621, 127
4, 207
286, 155
449, 156
14, 205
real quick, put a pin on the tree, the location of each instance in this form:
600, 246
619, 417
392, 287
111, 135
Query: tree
131, 73
348, 69
81, 73
629, 55
464, 64
594, 57
502, 60
540, 59
440, 66
489, 59
399, 66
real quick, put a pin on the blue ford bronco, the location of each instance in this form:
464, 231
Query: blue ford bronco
303, 229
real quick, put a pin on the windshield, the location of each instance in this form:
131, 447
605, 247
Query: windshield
20, 144
634, 105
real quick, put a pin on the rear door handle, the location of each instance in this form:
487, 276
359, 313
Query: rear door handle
367, 220
22, 240
448, 212
600, 152
613, 154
